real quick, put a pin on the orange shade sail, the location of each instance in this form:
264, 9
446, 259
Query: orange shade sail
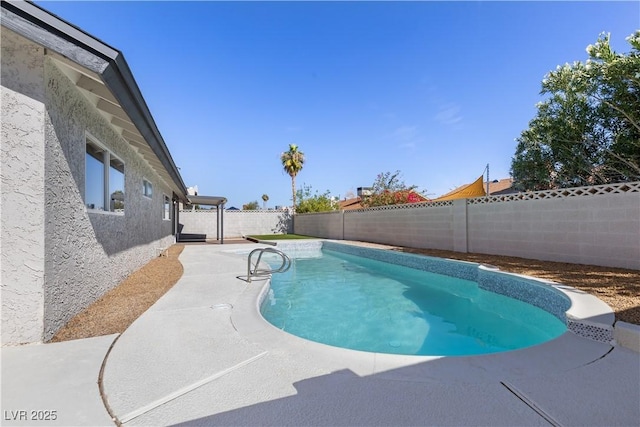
475, 189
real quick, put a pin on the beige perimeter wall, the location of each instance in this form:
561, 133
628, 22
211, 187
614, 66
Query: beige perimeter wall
597, 225
234, 224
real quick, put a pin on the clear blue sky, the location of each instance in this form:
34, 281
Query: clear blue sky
434, 89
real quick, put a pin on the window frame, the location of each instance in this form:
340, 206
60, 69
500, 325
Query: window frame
166, 207
145, 193
106, 161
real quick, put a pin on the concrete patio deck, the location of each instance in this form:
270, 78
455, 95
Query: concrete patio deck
202, 355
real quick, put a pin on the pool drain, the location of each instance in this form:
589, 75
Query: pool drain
222, 306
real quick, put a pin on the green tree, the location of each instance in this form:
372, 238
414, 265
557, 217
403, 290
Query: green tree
251, 206
587, 131
265, 199
389, 189
292, 162
117, 199
308, 202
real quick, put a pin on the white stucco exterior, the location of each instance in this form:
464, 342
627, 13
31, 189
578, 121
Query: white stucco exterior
57, 256
89, 247
23, 191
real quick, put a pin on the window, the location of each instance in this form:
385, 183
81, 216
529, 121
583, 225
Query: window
147, 188
116, 185
166, 212
104, 179
94, 178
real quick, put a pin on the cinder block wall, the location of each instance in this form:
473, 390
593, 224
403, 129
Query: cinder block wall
412, 226
329, 225
236, 223
597, 225
599, 230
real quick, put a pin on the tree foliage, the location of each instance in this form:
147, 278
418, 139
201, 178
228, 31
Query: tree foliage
292, 162
308, 202
117, 198
251, 206
587, 131
389, 189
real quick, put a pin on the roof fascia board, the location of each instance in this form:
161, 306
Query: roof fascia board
39, 33
118, 77
35, 23
59, 27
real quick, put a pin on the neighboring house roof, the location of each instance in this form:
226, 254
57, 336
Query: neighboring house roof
502, 186
102, 75
349, 204
355, 203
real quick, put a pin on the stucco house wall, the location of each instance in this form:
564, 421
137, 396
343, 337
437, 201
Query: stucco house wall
57, 256
84, 247
23, 175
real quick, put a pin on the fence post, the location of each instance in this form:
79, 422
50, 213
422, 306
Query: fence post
460, 226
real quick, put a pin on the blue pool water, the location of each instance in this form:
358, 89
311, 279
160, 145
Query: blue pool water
364, 304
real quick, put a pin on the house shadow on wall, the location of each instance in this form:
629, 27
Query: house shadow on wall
114, 232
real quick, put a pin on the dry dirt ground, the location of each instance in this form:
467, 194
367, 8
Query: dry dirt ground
618, 287
118, 308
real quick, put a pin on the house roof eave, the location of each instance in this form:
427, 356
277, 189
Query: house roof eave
31, 21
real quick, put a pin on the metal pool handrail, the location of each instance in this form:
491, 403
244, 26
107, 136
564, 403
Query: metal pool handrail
257, 272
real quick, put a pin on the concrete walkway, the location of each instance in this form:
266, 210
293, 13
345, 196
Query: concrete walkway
202, 355
54, 384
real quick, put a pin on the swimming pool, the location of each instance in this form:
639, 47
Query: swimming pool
367, 299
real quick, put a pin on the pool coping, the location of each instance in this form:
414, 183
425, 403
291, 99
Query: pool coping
586, 313
583, 313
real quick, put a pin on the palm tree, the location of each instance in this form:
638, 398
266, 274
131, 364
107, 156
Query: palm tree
292, 162
265, 199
